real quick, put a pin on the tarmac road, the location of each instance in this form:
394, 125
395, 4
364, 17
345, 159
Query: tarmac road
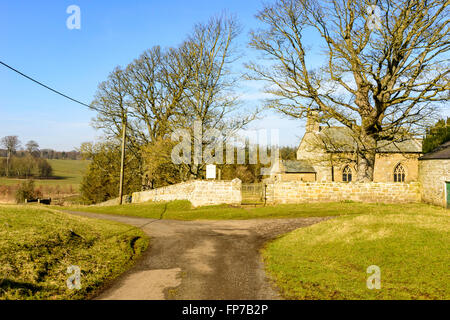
200, 260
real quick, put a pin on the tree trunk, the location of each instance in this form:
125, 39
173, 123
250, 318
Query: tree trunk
366, 164
366, 158
7, 163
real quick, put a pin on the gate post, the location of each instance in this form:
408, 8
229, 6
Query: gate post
265, 194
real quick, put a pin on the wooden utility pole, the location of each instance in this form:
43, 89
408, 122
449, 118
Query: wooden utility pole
122, 160
7, 163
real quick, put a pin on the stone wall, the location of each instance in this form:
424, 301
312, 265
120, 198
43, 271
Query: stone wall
203, 193
433, 175
199, 193
303, 192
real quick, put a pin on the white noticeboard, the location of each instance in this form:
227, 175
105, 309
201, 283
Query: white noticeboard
210, 171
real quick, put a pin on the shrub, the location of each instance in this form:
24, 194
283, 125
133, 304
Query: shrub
22, 167
45, 170
27, 191
101, 181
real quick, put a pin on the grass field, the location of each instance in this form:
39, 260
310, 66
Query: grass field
67, 177
182, 210
410, 244
65, 172
37, 245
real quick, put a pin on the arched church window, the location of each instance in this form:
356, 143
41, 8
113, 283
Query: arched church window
347, 175
399, 173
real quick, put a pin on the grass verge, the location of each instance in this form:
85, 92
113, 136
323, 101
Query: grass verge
329, 260
182, 210
37, 245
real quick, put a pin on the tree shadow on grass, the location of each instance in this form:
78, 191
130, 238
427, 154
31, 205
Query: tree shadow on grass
52, 178
7, 285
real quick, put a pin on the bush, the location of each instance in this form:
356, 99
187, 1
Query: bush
45, 170
27, 191
101, 181
22, 167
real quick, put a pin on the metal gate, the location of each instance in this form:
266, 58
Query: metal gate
253, 193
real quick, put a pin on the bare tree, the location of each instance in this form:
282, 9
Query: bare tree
165, 90
112, 103
145, 95
32, 147
383, 83
11, 144
148, 91
209, 98
156, 84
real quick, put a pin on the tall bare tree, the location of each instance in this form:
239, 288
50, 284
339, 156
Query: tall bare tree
112, 103
156, 84
209, 54
32, 147
11, 144
146, 94
148, 91
165, 90
383, 80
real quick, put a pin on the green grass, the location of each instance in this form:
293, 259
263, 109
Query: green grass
71, 171
65, 172
182, 210
410, 244
37, 245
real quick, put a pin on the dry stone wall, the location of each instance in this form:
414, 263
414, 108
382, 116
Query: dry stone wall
304, 192
202, 193
199, 193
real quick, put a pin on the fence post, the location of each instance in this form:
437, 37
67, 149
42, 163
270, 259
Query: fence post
265, 194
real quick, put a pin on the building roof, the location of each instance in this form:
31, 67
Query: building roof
297, 166
441, 152
340, 139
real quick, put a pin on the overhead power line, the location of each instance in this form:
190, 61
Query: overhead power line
45, 86
124, 126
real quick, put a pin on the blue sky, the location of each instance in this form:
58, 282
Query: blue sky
36, 41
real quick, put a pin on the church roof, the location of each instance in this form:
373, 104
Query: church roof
441, 152
340, 139
297, 166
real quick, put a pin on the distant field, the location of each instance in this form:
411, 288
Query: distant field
71, 171
66, 180
38, 244
65, 172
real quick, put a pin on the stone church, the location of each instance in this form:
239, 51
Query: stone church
326, 154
